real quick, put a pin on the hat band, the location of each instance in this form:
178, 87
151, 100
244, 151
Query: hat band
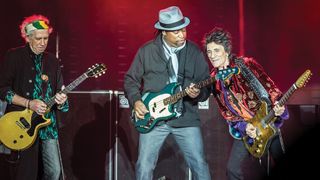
172, 25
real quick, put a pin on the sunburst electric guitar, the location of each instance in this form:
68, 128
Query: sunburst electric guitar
264, 120
19, 129
160, 104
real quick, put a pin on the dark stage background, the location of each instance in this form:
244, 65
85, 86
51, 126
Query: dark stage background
282, 35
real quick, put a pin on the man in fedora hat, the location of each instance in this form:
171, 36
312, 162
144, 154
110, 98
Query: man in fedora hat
169, 58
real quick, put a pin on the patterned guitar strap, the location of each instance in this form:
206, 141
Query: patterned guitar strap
254, 83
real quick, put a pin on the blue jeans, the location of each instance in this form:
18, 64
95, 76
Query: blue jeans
189, 139
50, 159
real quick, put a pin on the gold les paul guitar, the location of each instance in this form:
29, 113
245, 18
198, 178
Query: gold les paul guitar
263, 120
19, 129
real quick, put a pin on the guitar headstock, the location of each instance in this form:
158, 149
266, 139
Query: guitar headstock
303, 79
96, 70
227, 73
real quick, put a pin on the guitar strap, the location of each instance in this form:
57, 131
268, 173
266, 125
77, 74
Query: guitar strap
182, 57
254, 83
45, 77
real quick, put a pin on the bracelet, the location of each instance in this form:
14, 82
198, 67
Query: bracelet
28, 104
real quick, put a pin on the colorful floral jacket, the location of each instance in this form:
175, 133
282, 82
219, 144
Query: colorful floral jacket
236, 99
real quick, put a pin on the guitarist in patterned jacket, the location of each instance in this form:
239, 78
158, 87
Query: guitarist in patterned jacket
239, 98
28, 77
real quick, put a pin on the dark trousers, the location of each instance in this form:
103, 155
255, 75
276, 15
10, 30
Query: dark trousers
22, 165
239, 154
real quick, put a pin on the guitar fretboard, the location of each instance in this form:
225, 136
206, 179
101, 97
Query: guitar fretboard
69, 88
281, 102
175, 97
287, 95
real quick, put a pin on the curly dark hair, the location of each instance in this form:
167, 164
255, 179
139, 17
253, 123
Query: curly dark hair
218, 36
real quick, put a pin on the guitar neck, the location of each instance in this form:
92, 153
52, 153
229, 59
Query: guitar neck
175, 97
67, 89
287, 95
282, 101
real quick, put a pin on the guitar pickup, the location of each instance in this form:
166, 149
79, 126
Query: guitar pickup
24, 122
154, 107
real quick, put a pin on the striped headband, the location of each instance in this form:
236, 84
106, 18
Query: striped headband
36, 25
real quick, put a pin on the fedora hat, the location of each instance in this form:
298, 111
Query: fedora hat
171, 19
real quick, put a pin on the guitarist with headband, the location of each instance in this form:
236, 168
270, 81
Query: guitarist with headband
239, 98
169, 58
28, 77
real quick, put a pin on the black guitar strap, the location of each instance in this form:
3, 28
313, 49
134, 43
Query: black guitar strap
182, 57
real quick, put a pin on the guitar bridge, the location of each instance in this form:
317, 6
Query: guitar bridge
162, 110
150, 121
145, 127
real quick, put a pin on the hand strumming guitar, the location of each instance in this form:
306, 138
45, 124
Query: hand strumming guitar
38, 106
251, 131
140, 109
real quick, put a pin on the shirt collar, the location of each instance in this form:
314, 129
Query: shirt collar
32, 55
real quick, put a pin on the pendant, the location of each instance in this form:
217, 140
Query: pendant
44, 78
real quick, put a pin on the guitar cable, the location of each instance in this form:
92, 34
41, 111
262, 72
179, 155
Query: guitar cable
281, 141
13, 157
